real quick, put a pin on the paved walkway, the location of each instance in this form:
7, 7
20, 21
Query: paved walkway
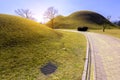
105, 56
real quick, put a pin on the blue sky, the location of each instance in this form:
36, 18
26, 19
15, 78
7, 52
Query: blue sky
64, 7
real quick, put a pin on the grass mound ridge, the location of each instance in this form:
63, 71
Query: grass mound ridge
80, 18
26, 46
18, 31
88, 16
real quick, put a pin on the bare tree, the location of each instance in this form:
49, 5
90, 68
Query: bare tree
104, 27
106, 22
26, 13
118, 22
108, 18
50, 14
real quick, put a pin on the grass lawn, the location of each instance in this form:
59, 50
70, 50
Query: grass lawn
112, 32
26, 46
68, 53
24, 62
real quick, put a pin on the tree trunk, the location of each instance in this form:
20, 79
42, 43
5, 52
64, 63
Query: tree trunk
103, 29
104, 26
52, 23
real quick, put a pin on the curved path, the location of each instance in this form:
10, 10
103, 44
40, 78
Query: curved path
105, 56
105, 52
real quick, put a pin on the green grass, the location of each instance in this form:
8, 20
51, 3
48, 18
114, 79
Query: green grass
111, 32
19, 31
25, 46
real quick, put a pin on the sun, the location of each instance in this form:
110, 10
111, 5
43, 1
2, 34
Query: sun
39, 18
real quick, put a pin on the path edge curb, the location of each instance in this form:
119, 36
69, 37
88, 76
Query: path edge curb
87, 65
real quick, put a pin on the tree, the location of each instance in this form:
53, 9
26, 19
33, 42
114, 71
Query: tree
50, 14
26, 13
104, 27
108, 18
105, 24
117, 22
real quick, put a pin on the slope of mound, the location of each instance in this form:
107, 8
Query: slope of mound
88, 16
26, 47
80, 18
16, 31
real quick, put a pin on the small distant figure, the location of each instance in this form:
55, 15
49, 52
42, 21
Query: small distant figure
84, 28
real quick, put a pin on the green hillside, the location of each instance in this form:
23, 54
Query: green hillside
17, 31
81, 18
26, 46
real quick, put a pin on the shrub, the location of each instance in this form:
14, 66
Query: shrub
84, 28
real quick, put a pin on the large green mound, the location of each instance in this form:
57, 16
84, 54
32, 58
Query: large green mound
80, 18
16, 31
24, 46
27, 46
88, 17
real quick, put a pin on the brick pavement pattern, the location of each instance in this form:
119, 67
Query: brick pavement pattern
105, 56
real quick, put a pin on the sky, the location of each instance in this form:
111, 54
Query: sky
64, 7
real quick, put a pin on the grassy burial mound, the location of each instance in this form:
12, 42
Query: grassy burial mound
26, 47
18, 31
81, 18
